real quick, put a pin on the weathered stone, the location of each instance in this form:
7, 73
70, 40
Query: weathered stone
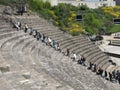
27, 75
7, 10
5, 68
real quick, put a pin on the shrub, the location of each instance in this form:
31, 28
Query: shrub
64, 16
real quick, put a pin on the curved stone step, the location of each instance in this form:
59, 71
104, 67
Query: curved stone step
75, 47
12, 42
91, 51
27, 44
94, 56
59, 66
6, 35
23, 68
27, 49
16, 52
34, 53
110, 68
71, 45
56, 73
10, 39
51, 33
87, 52
4, 25
105, 66
99, 59
83, 47
7, 30
67, 72
77, 40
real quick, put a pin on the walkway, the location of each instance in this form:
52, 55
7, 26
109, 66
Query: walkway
110, 48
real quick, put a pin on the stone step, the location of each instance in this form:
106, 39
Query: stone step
17, 50
27, 51
110, 68
9, 39
83, 47
35, 54
75, 41
93, 57
59, 63
50, 33
91, 51
6, 35
79, 45
7, 31
5, 26
22, 52
105, 66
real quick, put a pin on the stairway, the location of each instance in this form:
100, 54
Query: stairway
35, 66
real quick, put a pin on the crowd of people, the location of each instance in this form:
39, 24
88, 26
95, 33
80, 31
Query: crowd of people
39, 36
114, 76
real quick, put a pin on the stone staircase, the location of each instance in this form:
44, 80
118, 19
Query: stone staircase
77, 44
35, 66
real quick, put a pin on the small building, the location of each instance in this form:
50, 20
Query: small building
90, 3
117, 2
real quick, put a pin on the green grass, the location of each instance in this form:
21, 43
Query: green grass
115, 28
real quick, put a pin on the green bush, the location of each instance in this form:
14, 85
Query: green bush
5, 2
93, 19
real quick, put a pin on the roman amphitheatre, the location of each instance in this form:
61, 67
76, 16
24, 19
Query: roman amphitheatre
29, 64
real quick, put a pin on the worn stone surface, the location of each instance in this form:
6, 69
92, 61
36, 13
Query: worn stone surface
35, 66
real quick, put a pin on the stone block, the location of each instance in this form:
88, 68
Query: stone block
26, 75
5, 68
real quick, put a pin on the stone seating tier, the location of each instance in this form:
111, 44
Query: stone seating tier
47, 69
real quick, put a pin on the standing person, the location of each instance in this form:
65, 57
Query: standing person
110, 76
26, 27
46, 40
119, 78
68, 52
105, 74
94, 67
16, 26
114, 74
19, 24
90, 65
43, 36
117, 75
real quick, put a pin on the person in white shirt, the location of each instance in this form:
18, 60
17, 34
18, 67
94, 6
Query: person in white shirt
74, 57
50, 41
19, 25
26, 28
18, 28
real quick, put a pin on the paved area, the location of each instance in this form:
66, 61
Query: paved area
110, 48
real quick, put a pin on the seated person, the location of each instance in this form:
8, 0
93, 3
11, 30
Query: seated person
74, 57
